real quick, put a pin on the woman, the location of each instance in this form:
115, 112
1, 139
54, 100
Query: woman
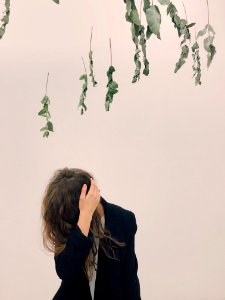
93, 240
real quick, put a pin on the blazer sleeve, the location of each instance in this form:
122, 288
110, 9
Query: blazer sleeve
69, 262
129, 276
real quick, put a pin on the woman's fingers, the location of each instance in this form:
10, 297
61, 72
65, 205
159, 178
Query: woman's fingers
97, 191
90, 200
83, 191
93, 186
94, 189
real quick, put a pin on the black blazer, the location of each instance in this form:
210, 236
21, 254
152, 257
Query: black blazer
115, 280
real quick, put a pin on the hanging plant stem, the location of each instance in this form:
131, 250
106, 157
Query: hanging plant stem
91, 62
196, 67
142, 42
5, 18
133, 17
44, 112
208, 41
185, 11
84, 89
183, 31
111, 85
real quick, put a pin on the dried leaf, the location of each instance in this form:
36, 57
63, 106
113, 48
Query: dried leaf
143, 45
5, 18
112, 88
153, 18
197, 63
83, 93
164, 2
138, 65
94, 82
183, 56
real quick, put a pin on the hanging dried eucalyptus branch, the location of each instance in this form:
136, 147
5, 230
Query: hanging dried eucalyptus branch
136, 31
142, 42
133, 17
137, 62
183, 31
44, 112
111, 85
84, 89
5, 18
208, 41
196, 62
91, 62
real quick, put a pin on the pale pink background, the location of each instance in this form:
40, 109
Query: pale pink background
159, 152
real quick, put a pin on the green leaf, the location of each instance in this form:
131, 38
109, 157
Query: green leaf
110, 71
44, 128
45, 100
183, 23
177, 21
42, 112
207, 42
113, 85
135, 17
5, 19
56, 1
153, 18
7, 5
183, 56
191, 25
171, 9
195, 47
210, 28
50, 126
84, 76
211, 53
2, 31
146, 5
46, 134
202, 32
164, 2
148, 33
128, 6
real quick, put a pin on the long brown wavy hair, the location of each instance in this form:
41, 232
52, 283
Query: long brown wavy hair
60, 213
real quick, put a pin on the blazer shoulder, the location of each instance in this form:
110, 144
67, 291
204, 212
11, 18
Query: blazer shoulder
125, 219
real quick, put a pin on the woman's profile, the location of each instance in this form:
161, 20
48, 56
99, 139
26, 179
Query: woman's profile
93, 240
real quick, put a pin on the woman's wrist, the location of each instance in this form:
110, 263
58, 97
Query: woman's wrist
84, 221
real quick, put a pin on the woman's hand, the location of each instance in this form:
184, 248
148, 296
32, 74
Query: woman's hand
88, 203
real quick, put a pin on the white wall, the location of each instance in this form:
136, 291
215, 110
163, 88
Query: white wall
159, 151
